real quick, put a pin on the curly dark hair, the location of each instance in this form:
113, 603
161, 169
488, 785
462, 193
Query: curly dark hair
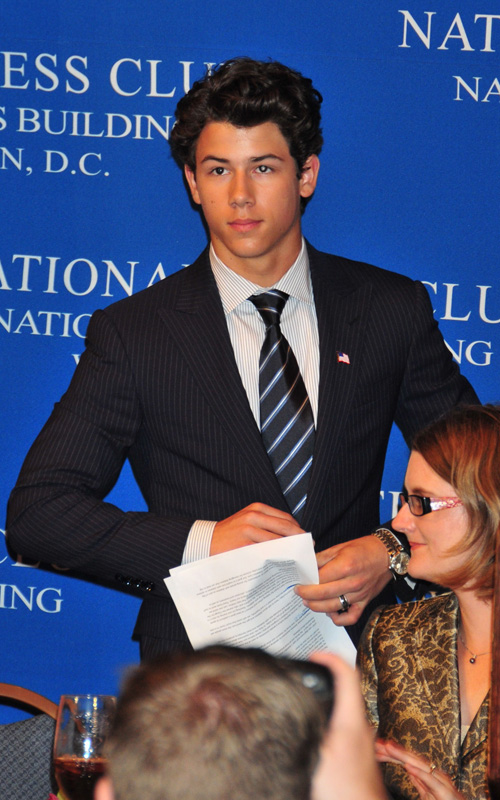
245, 93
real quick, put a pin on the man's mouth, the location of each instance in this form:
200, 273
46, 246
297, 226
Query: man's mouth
243, 225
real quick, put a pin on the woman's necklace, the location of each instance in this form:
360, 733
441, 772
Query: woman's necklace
473, 657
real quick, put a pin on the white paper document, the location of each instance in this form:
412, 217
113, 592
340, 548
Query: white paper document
245, 598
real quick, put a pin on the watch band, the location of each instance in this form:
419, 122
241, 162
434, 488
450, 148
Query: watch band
398, 556
399, 539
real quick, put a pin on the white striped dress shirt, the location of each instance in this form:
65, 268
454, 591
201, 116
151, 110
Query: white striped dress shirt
247, 331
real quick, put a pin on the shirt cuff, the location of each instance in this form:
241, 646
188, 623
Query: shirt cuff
198, 541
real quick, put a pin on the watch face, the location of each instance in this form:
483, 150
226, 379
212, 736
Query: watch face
399, 562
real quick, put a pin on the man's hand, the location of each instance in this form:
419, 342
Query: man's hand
255, 523
347, 769
356, 570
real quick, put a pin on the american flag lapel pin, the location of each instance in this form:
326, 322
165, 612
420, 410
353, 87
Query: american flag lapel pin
342, 358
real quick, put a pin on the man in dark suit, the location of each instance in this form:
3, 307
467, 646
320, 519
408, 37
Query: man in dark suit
170, 379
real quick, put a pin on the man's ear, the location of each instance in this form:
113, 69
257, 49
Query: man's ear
309, 176
104, 789
191, 179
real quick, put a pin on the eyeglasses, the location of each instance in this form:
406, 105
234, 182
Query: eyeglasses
424, 505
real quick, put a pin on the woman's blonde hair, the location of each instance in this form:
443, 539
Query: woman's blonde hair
463, 448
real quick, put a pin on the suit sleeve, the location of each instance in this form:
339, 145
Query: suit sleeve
432, 383
57, 513
368, 669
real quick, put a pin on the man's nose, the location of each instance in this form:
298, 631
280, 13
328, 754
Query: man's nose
241, 193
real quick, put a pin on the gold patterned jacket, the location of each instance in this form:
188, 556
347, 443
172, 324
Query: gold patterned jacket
408, 661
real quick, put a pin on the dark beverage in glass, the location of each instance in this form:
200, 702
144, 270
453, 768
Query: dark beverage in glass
76, 777
83, 723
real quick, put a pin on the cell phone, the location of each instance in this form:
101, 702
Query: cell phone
319, 679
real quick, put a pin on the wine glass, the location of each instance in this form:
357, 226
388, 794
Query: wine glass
83, 723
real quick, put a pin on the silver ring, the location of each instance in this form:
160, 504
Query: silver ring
344, 602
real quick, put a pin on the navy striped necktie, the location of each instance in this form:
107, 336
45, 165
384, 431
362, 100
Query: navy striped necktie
286, 419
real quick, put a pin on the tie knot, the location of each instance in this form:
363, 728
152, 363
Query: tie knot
270, 305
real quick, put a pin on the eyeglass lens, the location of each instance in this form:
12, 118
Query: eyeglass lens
414, 502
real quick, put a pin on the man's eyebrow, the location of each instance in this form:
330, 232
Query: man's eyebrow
253, 160
215, 158
266, 156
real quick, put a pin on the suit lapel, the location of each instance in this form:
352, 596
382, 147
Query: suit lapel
195, 319
435, 653
435, 649
342, 310
478, 731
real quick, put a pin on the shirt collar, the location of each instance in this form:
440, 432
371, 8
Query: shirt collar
234, 289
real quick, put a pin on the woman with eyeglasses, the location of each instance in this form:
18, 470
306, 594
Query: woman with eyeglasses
426, 666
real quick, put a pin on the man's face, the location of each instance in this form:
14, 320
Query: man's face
246, 183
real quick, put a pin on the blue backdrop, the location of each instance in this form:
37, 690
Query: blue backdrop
93, 208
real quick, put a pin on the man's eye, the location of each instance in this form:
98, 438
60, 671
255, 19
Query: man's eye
218, 170
263, 169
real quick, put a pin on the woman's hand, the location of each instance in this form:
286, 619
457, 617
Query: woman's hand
430, 782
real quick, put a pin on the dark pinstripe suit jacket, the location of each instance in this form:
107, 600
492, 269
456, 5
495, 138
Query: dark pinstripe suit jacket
158, 383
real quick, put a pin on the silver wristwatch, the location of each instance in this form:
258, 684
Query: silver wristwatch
398, 557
